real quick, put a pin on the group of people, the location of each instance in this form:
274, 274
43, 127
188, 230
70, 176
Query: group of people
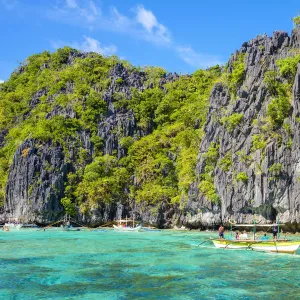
244, 235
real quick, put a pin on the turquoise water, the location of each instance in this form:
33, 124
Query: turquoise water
144, 265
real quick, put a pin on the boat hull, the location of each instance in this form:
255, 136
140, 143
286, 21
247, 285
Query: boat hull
12, 226
270, 246
127, 229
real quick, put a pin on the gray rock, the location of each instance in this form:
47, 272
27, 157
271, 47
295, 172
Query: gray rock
39, 170
263, 196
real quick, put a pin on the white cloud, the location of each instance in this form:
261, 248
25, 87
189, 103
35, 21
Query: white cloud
117, 21
71, 3
88, 45
91, 45
198, 60
142, 24
146, 18
157, 31
1, 81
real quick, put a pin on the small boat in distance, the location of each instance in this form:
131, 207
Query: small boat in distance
13, 224
180, 228
123, 226
273, 245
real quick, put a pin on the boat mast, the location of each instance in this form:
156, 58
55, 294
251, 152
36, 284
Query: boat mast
278, 229
254, 228
133, 220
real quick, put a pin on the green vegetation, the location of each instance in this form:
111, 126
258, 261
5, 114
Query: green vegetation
206, 185
208, 189
232, 121
161, 153
258, 142
246, 159
296, 21
126, 142
235, 77
271, 82
275, 169
55, 97
158, 167
241, 177
288, 67
279, 109
225, 162
51, 74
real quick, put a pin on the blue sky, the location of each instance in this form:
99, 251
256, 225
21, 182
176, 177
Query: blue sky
178, 35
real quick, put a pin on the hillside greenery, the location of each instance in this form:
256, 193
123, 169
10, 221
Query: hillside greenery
158, 167
159, 159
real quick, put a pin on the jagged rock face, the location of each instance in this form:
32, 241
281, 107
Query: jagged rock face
119, 123
38, 174
261, 196
36, 183
37, 177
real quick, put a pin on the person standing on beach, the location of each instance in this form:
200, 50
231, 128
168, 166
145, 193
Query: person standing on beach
221, 232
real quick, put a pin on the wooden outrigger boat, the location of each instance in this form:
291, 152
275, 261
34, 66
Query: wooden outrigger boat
278, 245
123, 226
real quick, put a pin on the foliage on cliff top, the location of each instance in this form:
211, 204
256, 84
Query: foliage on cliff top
296, 21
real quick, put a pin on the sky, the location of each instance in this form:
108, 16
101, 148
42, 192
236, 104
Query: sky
177, 35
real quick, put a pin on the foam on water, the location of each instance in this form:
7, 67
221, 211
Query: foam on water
145, 265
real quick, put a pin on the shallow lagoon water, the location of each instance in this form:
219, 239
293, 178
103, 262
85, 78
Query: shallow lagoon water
144, 265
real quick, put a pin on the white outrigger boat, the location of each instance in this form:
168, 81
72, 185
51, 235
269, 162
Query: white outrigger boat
13, 224
278, 245
123, 226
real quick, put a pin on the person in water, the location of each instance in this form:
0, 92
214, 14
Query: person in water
275, 230
221, 232
237, 237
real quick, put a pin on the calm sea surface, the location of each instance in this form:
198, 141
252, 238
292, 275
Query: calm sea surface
145, 265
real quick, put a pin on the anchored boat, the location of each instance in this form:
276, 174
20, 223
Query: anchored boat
275, 245
123, 226
13, 224
279, 246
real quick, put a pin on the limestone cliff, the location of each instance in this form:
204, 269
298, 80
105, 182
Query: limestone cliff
254, 172
264, 194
